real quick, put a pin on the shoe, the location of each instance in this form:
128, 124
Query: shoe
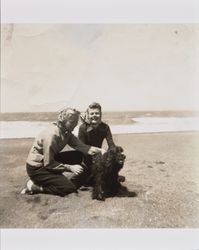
28, 188
24, 191
121, 178
31, 188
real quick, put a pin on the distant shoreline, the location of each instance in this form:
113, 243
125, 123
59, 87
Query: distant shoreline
24, 139
109, 116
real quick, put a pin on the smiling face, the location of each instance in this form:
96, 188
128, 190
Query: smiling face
94, 116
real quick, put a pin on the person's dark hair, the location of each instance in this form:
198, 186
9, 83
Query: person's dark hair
95, 105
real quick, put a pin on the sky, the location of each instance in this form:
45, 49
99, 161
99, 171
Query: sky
46, 67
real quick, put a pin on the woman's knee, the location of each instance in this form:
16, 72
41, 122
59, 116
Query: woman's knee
66, 189
69, 189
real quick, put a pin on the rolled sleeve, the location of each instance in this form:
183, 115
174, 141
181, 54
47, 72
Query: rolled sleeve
75, 143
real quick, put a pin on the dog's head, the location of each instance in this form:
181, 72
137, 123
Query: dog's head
119, 155
114, 155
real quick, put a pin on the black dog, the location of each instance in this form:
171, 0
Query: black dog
105, 170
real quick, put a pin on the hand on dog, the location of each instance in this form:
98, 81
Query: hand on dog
76, 169
94, 150
103, 151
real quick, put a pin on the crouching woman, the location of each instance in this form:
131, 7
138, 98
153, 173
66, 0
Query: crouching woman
46, 163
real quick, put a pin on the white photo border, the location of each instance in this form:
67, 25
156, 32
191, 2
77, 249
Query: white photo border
99, 11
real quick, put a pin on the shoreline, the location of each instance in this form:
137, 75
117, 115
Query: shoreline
28, 129
109, 116
122, 134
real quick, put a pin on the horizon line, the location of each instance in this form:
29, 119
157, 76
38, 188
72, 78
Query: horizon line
154, 110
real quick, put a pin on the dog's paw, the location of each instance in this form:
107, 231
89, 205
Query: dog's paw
98, 195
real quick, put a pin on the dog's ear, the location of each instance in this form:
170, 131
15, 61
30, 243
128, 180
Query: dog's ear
112, 150
107, 158
96, 158
120, 149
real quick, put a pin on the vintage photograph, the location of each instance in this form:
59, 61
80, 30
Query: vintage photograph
99, 126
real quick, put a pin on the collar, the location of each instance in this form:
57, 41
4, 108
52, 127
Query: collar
90, 127
63, 131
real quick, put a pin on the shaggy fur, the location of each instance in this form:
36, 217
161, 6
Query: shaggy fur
105, 171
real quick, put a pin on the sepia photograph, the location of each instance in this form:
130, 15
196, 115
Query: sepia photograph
99, 126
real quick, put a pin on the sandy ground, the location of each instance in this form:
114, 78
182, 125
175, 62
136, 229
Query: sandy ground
161, 168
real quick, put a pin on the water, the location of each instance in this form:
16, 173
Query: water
27, 129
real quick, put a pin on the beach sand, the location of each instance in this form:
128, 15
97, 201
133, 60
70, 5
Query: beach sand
162, 168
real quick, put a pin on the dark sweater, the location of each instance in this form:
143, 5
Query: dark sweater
95, 136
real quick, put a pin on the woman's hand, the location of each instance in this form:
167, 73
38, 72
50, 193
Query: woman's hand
94, 150
76, 169
103, 151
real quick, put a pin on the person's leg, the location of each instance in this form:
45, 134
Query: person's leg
51, 183
70, 157
76, 157
81, 179
56, 184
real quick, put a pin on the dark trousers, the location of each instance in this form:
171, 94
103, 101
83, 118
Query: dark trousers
57, 183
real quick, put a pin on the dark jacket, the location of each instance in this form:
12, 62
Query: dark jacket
95, 136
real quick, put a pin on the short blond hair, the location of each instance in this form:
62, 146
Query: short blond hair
63, 114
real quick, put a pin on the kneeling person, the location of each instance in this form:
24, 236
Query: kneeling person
46, 163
